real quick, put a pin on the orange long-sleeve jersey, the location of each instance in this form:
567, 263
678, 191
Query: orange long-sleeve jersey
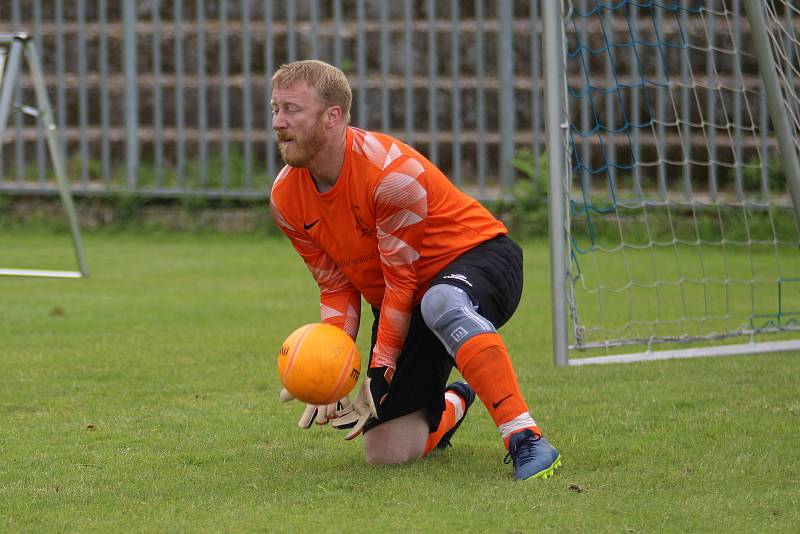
390, 223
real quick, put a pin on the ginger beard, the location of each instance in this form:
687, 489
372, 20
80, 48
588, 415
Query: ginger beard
299, 148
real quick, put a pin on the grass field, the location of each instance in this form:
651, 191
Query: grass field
144, 399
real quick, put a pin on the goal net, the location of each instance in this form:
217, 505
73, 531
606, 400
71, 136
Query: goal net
679, 188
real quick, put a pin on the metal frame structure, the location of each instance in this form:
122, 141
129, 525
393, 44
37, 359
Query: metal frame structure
775, 102
169, 100
20, 44
557, 154
557, 125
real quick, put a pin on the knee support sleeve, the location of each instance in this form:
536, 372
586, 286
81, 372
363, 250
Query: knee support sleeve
450, 314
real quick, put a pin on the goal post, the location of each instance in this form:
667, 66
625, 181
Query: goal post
785, 133
14, 49
674, 183
556, 128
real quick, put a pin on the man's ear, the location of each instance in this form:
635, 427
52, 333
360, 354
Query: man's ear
333, 115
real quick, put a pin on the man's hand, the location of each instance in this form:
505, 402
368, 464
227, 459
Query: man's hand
371, 395
378, 381
346, 415
322, 414
360, 411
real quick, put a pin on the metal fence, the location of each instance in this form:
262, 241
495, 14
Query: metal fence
170, 98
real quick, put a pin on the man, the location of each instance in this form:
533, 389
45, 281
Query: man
372, 217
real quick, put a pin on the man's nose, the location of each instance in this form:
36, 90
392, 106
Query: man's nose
278, 122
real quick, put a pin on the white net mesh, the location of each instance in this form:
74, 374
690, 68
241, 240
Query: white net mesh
681, 225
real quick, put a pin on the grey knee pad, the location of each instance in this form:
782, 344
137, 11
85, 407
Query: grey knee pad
449, 313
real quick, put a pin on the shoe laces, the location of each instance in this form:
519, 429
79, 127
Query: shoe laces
522, 453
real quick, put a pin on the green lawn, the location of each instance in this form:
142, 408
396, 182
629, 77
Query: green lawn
145, 399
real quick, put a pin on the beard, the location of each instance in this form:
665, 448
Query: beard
300, 150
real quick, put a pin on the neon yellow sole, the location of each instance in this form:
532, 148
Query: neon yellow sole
550, 471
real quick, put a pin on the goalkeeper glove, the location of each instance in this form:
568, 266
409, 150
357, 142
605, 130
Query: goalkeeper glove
372, 393
378, 381
346, 415
361, 410
341, 411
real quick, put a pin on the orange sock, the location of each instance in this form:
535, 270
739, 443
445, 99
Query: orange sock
453, 413
485, 364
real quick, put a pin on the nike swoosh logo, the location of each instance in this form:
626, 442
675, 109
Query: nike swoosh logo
310, 225
498, 403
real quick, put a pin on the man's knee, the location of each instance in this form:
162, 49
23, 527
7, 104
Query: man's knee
449, 313
397, 441
390, 455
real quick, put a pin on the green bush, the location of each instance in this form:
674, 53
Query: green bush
776, 178
525, 213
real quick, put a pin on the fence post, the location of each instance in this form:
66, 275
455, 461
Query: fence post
506, 94
131, 95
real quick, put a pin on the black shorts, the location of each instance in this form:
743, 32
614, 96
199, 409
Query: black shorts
491, 274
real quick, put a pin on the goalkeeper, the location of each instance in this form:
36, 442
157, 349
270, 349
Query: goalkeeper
372, 217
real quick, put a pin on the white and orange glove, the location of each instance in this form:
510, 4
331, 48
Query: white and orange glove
371, 395
361, 410
340, 414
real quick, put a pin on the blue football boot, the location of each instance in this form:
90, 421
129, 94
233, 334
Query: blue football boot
463, 390
533, 456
